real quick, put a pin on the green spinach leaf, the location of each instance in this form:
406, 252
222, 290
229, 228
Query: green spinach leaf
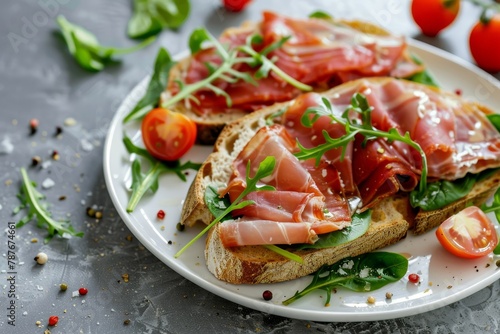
359, 225
441, 193
215, 203
495, 120
85, 47
157, 84
366, 272
425, 77
151, 16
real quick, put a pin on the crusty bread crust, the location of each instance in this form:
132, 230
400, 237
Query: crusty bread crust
210, 126
392, 218
256, 264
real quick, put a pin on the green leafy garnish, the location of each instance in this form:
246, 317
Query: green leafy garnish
32, 199
218, 205
495, 120
319, 14
424, 77
85, 48
441, 193
359, 225
363, 273
353, 127
151, 16
266, 168
156, 86
141, 183
225, 71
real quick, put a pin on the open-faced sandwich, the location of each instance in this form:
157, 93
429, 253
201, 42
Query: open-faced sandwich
363, 163
275, 60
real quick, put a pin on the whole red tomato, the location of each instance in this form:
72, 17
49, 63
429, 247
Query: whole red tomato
432, 16
484, 44
235, 5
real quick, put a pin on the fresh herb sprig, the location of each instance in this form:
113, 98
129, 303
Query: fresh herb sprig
226, 71
85, 48
141, 183
266, 168
32, 200
157, 84
354, 127
151, 16
363, 273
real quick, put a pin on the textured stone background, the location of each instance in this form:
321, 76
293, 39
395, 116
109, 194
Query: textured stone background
39, 79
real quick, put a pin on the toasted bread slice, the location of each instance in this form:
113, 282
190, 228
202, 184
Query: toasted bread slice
392, 218
256, 264
209, 126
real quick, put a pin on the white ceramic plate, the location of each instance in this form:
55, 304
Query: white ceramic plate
444, 278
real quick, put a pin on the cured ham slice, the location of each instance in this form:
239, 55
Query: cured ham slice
265, 232
320, 53
455, 136
319, 50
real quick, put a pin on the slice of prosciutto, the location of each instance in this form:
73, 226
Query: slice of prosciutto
313, 197
265, 232
321, 53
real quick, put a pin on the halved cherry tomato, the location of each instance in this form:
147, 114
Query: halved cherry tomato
432, 16
469, 234
483, 43
167, 135
235, 5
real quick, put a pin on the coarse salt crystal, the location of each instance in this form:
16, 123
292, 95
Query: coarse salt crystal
48, 183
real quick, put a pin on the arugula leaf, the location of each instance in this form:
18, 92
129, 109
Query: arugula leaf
424, 77
151, 16
363, 273
141, 183
85, 47
495, 120
359, 225
230, 56
266, 168
156, 86
218, 206
353, 127
441, 193
319, 14
30, 198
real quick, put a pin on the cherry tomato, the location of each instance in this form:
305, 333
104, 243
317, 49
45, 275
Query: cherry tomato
432, 16
167, 135
469, 234
235, 5
484, 46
